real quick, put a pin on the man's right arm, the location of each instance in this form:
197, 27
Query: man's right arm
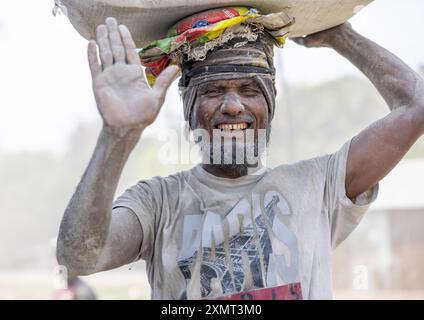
91, 238
87, 223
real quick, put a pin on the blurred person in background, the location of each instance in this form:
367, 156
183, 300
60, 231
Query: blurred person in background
77, 289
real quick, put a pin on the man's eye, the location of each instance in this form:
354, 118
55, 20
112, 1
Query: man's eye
212, 93
251, 92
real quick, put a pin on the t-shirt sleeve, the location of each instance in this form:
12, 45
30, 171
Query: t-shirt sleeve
344, 214
142, 200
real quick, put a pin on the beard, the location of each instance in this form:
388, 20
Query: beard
235, 150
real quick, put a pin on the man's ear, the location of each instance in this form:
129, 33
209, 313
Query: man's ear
268, 132
193, 122
187, 131
191, 125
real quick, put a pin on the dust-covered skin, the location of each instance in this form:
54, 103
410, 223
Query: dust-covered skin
92, 238
230, 102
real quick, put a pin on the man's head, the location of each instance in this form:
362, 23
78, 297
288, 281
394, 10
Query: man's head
234, 115
227, 84
237, 102
231, 96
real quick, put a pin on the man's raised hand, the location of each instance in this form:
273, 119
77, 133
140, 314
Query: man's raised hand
124, 99
323, 38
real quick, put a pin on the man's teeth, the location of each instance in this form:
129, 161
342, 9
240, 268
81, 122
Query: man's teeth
238, 126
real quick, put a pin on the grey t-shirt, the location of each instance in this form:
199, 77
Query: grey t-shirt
262, 236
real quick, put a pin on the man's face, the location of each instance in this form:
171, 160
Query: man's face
230, 109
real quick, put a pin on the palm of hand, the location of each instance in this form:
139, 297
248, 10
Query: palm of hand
124, 98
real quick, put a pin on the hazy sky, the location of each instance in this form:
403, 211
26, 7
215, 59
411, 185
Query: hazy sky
45, 83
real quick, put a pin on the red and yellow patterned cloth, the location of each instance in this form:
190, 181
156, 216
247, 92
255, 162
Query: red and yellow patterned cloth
210, 29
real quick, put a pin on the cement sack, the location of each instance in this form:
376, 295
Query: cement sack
149, 20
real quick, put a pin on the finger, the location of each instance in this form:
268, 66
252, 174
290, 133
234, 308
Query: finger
116, 44
165, 79
93, 62
299, 41
104, 46
130, 48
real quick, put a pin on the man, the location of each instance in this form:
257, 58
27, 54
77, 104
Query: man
230, 230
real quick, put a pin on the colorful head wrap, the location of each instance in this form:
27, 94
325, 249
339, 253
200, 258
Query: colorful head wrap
196, 35
224, 43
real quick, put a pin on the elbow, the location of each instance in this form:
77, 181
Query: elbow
415, 121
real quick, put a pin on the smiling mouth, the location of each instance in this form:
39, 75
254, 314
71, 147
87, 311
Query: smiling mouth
233, 126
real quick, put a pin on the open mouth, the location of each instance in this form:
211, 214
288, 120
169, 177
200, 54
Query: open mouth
233, 126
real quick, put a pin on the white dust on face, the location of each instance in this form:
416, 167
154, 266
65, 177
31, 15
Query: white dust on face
230, 146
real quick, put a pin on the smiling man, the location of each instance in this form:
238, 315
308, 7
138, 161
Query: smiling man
233, 118
229, 228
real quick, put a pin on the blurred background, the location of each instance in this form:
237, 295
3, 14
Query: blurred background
49, 126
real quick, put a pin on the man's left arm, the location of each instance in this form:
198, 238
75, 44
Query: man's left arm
377, 149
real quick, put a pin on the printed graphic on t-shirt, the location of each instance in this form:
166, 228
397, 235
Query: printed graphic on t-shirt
251, 248
288, 292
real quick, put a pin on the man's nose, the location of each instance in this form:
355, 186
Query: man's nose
232, 104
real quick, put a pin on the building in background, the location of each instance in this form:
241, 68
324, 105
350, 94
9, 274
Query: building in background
384, 256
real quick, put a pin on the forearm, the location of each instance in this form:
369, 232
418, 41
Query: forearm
86, 221
398, 84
